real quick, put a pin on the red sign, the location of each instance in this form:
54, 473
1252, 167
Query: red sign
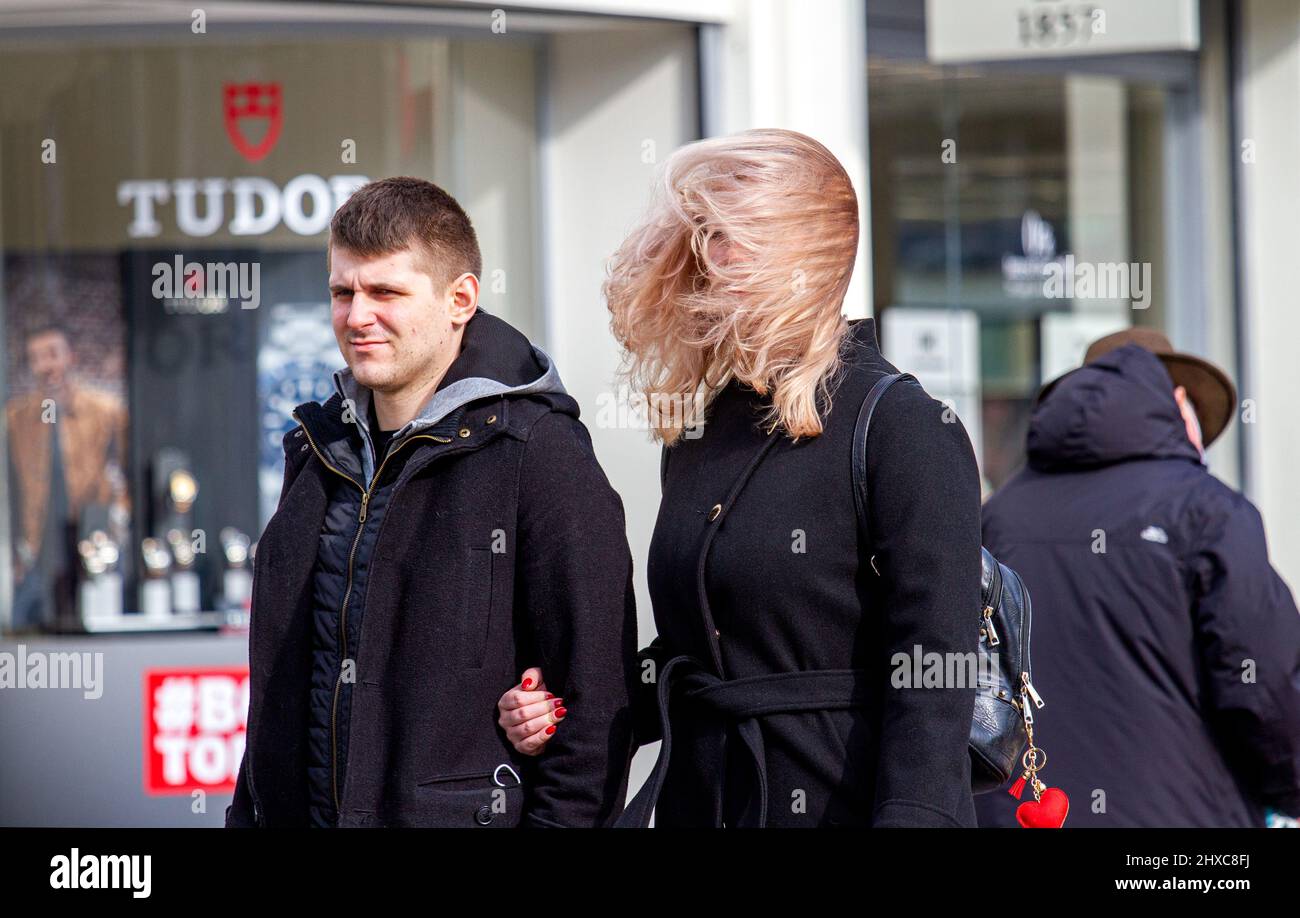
246, 101
194, 723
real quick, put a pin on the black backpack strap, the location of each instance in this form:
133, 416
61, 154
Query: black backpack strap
860, 444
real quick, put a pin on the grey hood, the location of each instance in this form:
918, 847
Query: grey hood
495, 360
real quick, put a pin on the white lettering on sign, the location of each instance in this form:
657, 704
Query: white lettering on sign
304, 205
196, 727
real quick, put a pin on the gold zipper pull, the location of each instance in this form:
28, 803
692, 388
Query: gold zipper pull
1029, 687
1025, 713
988, 625
365, 499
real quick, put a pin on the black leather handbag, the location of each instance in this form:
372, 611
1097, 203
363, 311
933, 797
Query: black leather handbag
1003, 714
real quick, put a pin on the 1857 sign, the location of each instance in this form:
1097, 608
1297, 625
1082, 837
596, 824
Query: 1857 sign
959, 30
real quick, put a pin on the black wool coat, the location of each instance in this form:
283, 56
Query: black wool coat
1165, 645
757, 572
500, 548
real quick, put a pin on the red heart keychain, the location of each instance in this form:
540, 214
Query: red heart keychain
1050, 806
1048, 812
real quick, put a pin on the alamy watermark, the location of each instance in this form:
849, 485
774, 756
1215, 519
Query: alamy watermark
628, 410
1066, 278
921, 669
103, 871
193, 287
38, 669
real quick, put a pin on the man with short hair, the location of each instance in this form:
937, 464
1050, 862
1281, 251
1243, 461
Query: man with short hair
443, 523
1164, 643
67, 451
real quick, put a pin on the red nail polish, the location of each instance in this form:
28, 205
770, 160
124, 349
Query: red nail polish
550, 695
550, 729
528, 683
558, 702
560, 712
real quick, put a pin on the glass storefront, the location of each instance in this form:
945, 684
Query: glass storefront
164, 303
163, 227
1019, 211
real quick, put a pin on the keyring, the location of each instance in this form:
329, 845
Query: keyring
1032, 754
496, 776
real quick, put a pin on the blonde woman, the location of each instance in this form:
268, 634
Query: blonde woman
776, 681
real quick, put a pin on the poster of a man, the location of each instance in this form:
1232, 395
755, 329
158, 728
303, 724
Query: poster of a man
60, 494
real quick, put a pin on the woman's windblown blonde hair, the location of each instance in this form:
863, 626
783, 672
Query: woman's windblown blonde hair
738, 270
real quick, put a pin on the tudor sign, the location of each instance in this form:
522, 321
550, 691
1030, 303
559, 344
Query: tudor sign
257, 205
251, 102
245, 206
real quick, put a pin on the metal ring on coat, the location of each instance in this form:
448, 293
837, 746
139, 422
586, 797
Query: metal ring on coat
496, 776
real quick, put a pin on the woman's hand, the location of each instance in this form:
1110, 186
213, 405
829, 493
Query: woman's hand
529, 713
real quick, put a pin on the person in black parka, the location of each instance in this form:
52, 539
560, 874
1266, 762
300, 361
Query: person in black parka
1166, 646
443, 523
770, 678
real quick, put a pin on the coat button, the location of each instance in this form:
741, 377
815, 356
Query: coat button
483, 816
304, 447
713, 514
492, 419
464, 432
298, 432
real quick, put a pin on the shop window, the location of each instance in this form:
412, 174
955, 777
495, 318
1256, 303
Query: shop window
1016, 216
164, 291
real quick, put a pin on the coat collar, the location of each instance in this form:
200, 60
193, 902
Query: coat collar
861, 336
496, 362
338, 440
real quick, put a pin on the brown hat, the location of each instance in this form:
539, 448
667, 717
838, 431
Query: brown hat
1212, 393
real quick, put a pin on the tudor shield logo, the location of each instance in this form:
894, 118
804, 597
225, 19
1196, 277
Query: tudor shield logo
247, 105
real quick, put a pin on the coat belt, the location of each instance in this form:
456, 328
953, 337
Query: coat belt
740, 703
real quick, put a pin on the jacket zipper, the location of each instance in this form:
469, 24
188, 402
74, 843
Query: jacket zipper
347, 594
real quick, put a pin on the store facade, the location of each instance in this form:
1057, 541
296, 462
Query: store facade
163, 219
1042, 175
170, 234
146, 165
140, 171
1142, 154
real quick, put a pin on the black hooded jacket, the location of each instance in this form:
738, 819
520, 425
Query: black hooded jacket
392, 602
1166, 647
